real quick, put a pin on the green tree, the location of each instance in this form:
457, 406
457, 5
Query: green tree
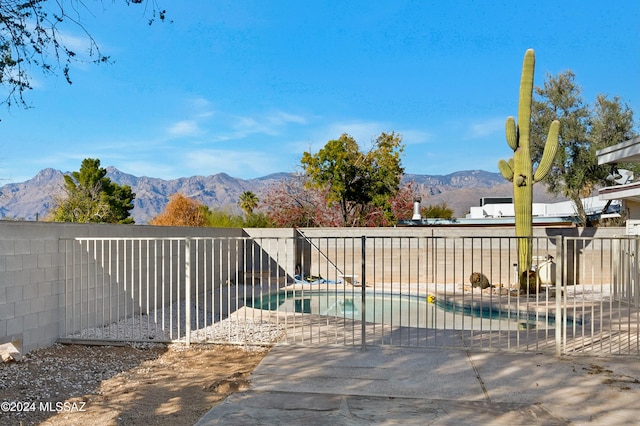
560, 98
292, 203
575, 173
221, 219
356, 181
437, 211
258, 220
92, 197
31, 37
611, 122
247, 202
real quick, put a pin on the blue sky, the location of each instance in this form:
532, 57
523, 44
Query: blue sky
245, 87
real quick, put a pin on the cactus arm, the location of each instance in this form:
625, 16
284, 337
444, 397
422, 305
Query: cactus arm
512, 134
506, 169
526, 97
549, 154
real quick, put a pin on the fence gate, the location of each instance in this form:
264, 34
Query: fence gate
600, 297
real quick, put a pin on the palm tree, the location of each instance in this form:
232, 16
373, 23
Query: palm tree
247, 202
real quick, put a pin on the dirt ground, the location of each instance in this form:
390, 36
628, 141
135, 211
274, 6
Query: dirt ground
127, 385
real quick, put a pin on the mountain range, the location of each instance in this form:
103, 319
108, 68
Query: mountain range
34, 198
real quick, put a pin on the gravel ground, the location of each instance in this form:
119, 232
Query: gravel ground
150, 384
169, 324
135, 383
229, 331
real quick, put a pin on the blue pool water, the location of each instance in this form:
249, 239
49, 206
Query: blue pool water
403, 310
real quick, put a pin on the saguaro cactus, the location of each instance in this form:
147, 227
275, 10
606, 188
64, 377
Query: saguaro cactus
519, 169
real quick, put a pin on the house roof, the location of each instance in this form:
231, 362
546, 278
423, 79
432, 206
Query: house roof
624, 152
545, 221
630, 191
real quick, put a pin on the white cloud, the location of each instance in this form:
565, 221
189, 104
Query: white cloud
201, 117
81, 45
270, 123
77, 44
362, 131
282, 118
185, 128
244, 126
485, 128
414, 137
198, 112
202, 108
66, 161
153, 169
235, 163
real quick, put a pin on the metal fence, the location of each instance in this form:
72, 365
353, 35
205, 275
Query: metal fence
406, 291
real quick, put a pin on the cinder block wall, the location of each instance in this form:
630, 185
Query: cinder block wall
32, 273
33, 262
451, 254
109, 279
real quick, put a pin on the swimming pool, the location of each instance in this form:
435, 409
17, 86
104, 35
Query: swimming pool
401, 310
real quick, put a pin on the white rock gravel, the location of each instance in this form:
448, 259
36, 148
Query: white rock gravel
169, 324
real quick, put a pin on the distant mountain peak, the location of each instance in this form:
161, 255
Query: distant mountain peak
35, 197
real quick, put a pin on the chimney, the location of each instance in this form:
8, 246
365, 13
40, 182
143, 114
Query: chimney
416, 209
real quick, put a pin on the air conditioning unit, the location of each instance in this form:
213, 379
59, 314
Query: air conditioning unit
633, 226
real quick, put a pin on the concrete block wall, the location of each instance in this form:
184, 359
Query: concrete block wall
277, 250
33, 264
32, 273
31, 290
113, 279
451, 254
108, 280
412, 260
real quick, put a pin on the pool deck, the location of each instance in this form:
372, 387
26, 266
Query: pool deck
592, 327
298, 384
346, 385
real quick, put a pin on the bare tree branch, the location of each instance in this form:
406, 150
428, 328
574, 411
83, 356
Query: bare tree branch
32, 37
